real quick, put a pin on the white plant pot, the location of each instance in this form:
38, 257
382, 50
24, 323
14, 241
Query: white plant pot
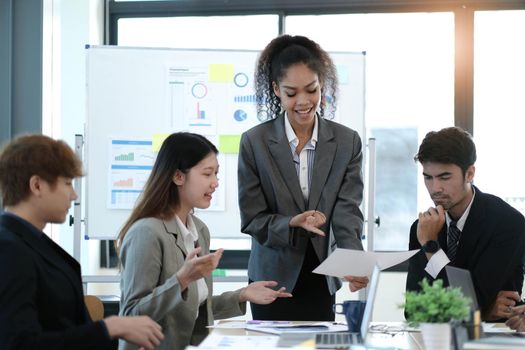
436, 336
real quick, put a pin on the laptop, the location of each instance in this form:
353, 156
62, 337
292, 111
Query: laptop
339, 340
462, 279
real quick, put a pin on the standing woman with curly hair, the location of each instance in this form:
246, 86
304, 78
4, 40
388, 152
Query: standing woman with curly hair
300, 183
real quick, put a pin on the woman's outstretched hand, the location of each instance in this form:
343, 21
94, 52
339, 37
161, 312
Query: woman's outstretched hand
261, 292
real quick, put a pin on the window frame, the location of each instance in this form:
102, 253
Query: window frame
463, 15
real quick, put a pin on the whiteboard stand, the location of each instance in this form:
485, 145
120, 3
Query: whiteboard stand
370, 219
77, 209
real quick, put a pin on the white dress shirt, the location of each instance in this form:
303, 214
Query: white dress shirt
190, 236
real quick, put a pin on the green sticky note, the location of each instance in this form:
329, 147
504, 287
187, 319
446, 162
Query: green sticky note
157, 141
220, 73
229, 143
218, 273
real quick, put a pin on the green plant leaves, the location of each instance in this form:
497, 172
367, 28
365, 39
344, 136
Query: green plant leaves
436, 304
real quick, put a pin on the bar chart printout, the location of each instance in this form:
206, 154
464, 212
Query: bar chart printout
129, 165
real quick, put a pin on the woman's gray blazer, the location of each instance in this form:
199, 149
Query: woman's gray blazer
152, 252
270, 195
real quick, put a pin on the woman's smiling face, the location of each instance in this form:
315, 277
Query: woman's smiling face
300, 94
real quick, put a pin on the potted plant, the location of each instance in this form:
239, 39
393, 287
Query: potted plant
433, 309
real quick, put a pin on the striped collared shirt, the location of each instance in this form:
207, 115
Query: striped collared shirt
304, 161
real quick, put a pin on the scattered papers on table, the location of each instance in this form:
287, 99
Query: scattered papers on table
215, 341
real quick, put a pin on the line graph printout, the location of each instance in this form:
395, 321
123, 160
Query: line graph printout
129, 166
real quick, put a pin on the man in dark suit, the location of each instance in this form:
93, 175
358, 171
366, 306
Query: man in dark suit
467, 228
41, 297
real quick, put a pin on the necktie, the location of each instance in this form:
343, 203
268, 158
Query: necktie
452, 240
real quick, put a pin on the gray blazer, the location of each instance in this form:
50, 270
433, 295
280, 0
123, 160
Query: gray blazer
152, 252
270, 195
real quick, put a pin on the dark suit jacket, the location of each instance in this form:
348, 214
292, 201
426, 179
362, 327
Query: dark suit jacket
491, 247
270, 195
41, 299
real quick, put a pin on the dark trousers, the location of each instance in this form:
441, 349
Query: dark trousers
311, 299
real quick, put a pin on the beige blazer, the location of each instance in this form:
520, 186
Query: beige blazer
152, 252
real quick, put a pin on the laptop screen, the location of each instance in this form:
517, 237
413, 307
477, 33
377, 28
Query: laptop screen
370, 299
461, 278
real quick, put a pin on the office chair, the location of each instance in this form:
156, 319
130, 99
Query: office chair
95, 307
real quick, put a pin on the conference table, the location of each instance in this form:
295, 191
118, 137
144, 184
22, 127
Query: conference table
381, 334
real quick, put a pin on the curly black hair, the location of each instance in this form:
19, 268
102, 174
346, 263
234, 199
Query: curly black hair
273, 62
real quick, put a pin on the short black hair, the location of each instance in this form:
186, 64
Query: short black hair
451, 145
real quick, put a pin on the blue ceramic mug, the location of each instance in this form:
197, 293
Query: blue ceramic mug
353, 311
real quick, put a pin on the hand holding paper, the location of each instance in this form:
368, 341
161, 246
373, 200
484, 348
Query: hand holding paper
357, 282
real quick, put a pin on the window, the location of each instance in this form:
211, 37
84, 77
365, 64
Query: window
216, 32
409, 84
499, 111
409, 91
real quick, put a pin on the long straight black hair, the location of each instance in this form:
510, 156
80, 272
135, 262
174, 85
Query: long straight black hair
160, 197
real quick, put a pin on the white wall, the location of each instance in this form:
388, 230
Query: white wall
68, 27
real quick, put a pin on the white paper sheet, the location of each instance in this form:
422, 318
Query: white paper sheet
241, 342
324, 327
349, 262
229, 325
498, 327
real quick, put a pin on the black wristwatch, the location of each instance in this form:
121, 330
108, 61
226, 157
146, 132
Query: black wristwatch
430, 247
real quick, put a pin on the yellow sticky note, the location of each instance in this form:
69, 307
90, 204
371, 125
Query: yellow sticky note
307, 344
220, 73
158, 139
229, 143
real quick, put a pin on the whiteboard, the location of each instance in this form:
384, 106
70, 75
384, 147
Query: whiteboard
137, 95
